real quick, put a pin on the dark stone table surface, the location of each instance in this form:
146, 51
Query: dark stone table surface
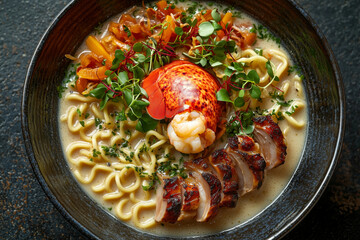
26, 212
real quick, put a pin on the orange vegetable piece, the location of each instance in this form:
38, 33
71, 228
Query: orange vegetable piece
161, 5
170, 30
126, 18
96, 47
249, 38
90, 60
227, 19
135, 28
81, 84
93, 74
220, 34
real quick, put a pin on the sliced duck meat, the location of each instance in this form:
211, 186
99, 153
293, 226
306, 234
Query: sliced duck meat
209, 188
268, 134
168, 200
250, 165
190, 199
226, 171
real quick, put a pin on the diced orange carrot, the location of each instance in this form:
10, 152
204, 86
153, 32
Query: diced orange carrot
93, 74
81, 84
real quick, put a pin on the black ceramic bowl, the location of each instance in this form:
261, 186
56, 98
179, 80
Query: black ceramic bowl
299, 35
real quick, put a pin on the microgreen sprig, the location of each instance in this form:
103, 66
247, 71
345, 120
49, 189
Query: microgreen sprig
119, 86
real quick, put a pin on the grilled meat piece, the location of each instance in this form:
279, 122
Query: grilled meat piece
191, 198
209, 188
271, 140
168, 200
250, 165
226, 171
220, 179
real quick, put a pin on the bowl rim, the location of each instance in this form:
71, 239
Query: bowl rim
286, 228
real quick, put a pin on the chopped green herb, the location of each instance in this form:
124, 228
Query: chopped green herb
240, 124
279, 98
98, 28
70, 76
98, 123
292, 110
127, 30
258, 51
264, 33
96, 153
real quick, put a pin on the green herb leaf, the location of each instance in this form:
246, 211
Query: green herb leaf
99, 92
223, 95
255, 92
242, 93
214, 63
137, 47
128, 96
248, 129
228, 71
179, 31
140, 57
253, 76
216, 15
123, 77
138, 72
239, 102
269, 69
146, 123
119, 57
206, 29
203, 62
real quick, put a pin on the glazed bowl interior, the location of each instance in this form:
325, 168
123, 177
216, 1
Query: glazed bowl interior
299, 36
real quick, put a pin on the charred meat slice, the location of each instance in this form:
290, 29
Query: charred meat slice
268, 134
191, 199
226, 171
250, 165
209, 188
169, 201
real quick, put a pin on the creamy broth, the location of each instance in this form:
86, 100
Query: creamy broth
248, 205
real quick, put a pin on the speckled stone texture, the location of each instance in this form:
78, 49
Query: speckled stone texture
25, 211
